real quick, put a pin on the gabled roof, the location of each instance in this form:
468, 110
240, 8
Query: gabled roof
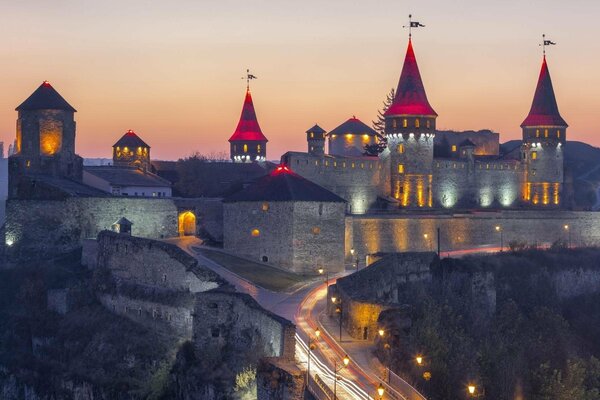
411, 98
248, 128
316, 129
544, 110
130, 139
284, 185
45, 97
353, 126
127, 176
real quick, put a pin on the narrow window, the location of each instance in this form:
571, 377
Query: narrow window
400, 168
417, 123
428, 123
265, 206
534, 155
245, 148
558, 134
320, 209
394, 123
312, 135
537, 133
404, 123
545, 132
258, 148
401, 148
453, 147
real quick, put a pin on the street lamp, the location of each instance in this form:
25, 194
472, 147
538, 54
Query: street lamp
569, 236
499, 229
346, 361
427, 244
322, 271
419, 360
340, 310
380, 391
389, 349
311, 341
471, 389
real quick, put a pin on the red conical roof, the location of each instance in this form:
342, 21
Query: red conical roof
248, 128
130, 139
411, 98
544, 110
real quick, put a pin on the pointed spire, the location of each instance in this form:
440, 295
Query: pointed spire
45, 97
248, 128
130, 139
411, 98
544, 110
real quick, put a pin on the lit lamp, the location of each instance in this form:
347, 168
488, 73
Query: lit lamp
471, 389
380, 391
569, 236
499, 229
346, 361
419, 360
322, 271
340, 310
310, 347
426, 237
389, 348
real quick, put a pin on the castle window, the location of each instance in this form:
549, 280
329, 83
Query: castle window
362, 165
317, 163
164, 278
534, 155
487, 166
234, 148
265, 206
454, 165
428, 123
258, 148
139, 151
453, 147
316, 230
245, 148
265, 259
545, 132
537, 133
400, 168
255, 233
312, 135
335, 163
344, 164
404, 123
28, 163
401, 148
320, 209
352, 165
557, 134
394, 123
326, 163
417, 123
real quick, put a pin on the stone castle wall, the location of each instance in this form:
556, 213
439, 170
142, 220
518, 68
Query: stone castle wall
399, 233
45, 228
358, 180
298, 236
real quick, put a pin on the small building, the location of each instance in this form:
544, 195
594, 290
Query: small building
126, 181
288, 221
132, 151
350, 138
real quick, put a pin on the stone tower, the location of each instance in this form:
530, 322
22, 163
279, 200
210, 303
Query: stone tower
248, 143
350, 138
131, 151
45, 140
544, 137
410, 130
315, 137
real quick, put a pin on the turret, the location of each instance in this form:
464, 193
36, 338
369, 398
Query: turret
410, 130
350, 138
248, 143
45, 139
315, 137
131, 151
544, 137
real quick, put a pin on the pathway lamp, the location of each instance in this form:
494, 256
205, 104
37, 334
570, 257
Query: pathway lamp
389, 349
322, 271
568, 236
380, 391
311, 345
419, 360
340, 310
499, 229
345, 362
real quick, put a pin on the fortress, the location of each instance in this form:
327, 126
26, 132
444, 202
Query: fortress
366, 194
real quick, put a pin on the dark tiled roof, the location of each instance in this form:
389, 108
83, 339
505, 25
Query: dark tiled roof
248, 128
353, 126
544, 110
316, 129
284, 185
68, 186
127, 176
411, 98
45, 97
130, 139
467, 143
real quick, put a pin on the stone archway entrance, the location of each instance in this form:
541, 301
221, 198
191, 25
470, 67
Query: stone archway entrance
187, 224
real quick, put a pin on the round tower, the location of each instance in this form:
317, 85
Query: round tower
542, 152
410, 130
45, 139
350, 138
248, 144
315, 137
131, 151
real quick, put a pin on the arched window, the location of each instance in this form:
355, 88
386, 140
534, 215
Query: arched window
258, 148
545, 132
245, 148
417, 123
400, 168
534, 155
312, 135
537, 133
401, 148
394, 123
404, 123
558, 134
428, 123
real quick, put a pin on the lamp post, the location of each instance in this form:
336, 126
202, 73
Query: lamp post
311, 341
499, 229
380, 391
340, 310
322, 271
346, 361
568, 236
427, 244
387, 346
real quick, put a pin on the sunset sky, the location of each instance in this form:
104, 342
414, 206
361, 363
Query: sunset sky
170, 70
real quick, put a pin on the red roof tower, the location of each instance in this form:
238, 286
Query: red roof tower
411, 99
544, 110
248, 143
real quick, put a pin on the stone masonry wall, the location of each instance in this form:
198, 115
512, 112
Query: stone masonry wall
277, 380
45, 228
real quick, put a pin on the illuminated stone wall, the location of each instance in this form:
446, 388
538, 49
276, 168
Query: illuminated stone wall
392, 233
294, 235
358, 180
45, 228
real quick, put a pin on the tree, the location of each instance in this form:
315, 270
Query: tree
379, 126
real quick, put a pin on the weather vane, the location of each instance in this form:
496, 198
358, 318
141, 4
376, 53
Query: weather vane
412, 24
546, 43
248, 78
